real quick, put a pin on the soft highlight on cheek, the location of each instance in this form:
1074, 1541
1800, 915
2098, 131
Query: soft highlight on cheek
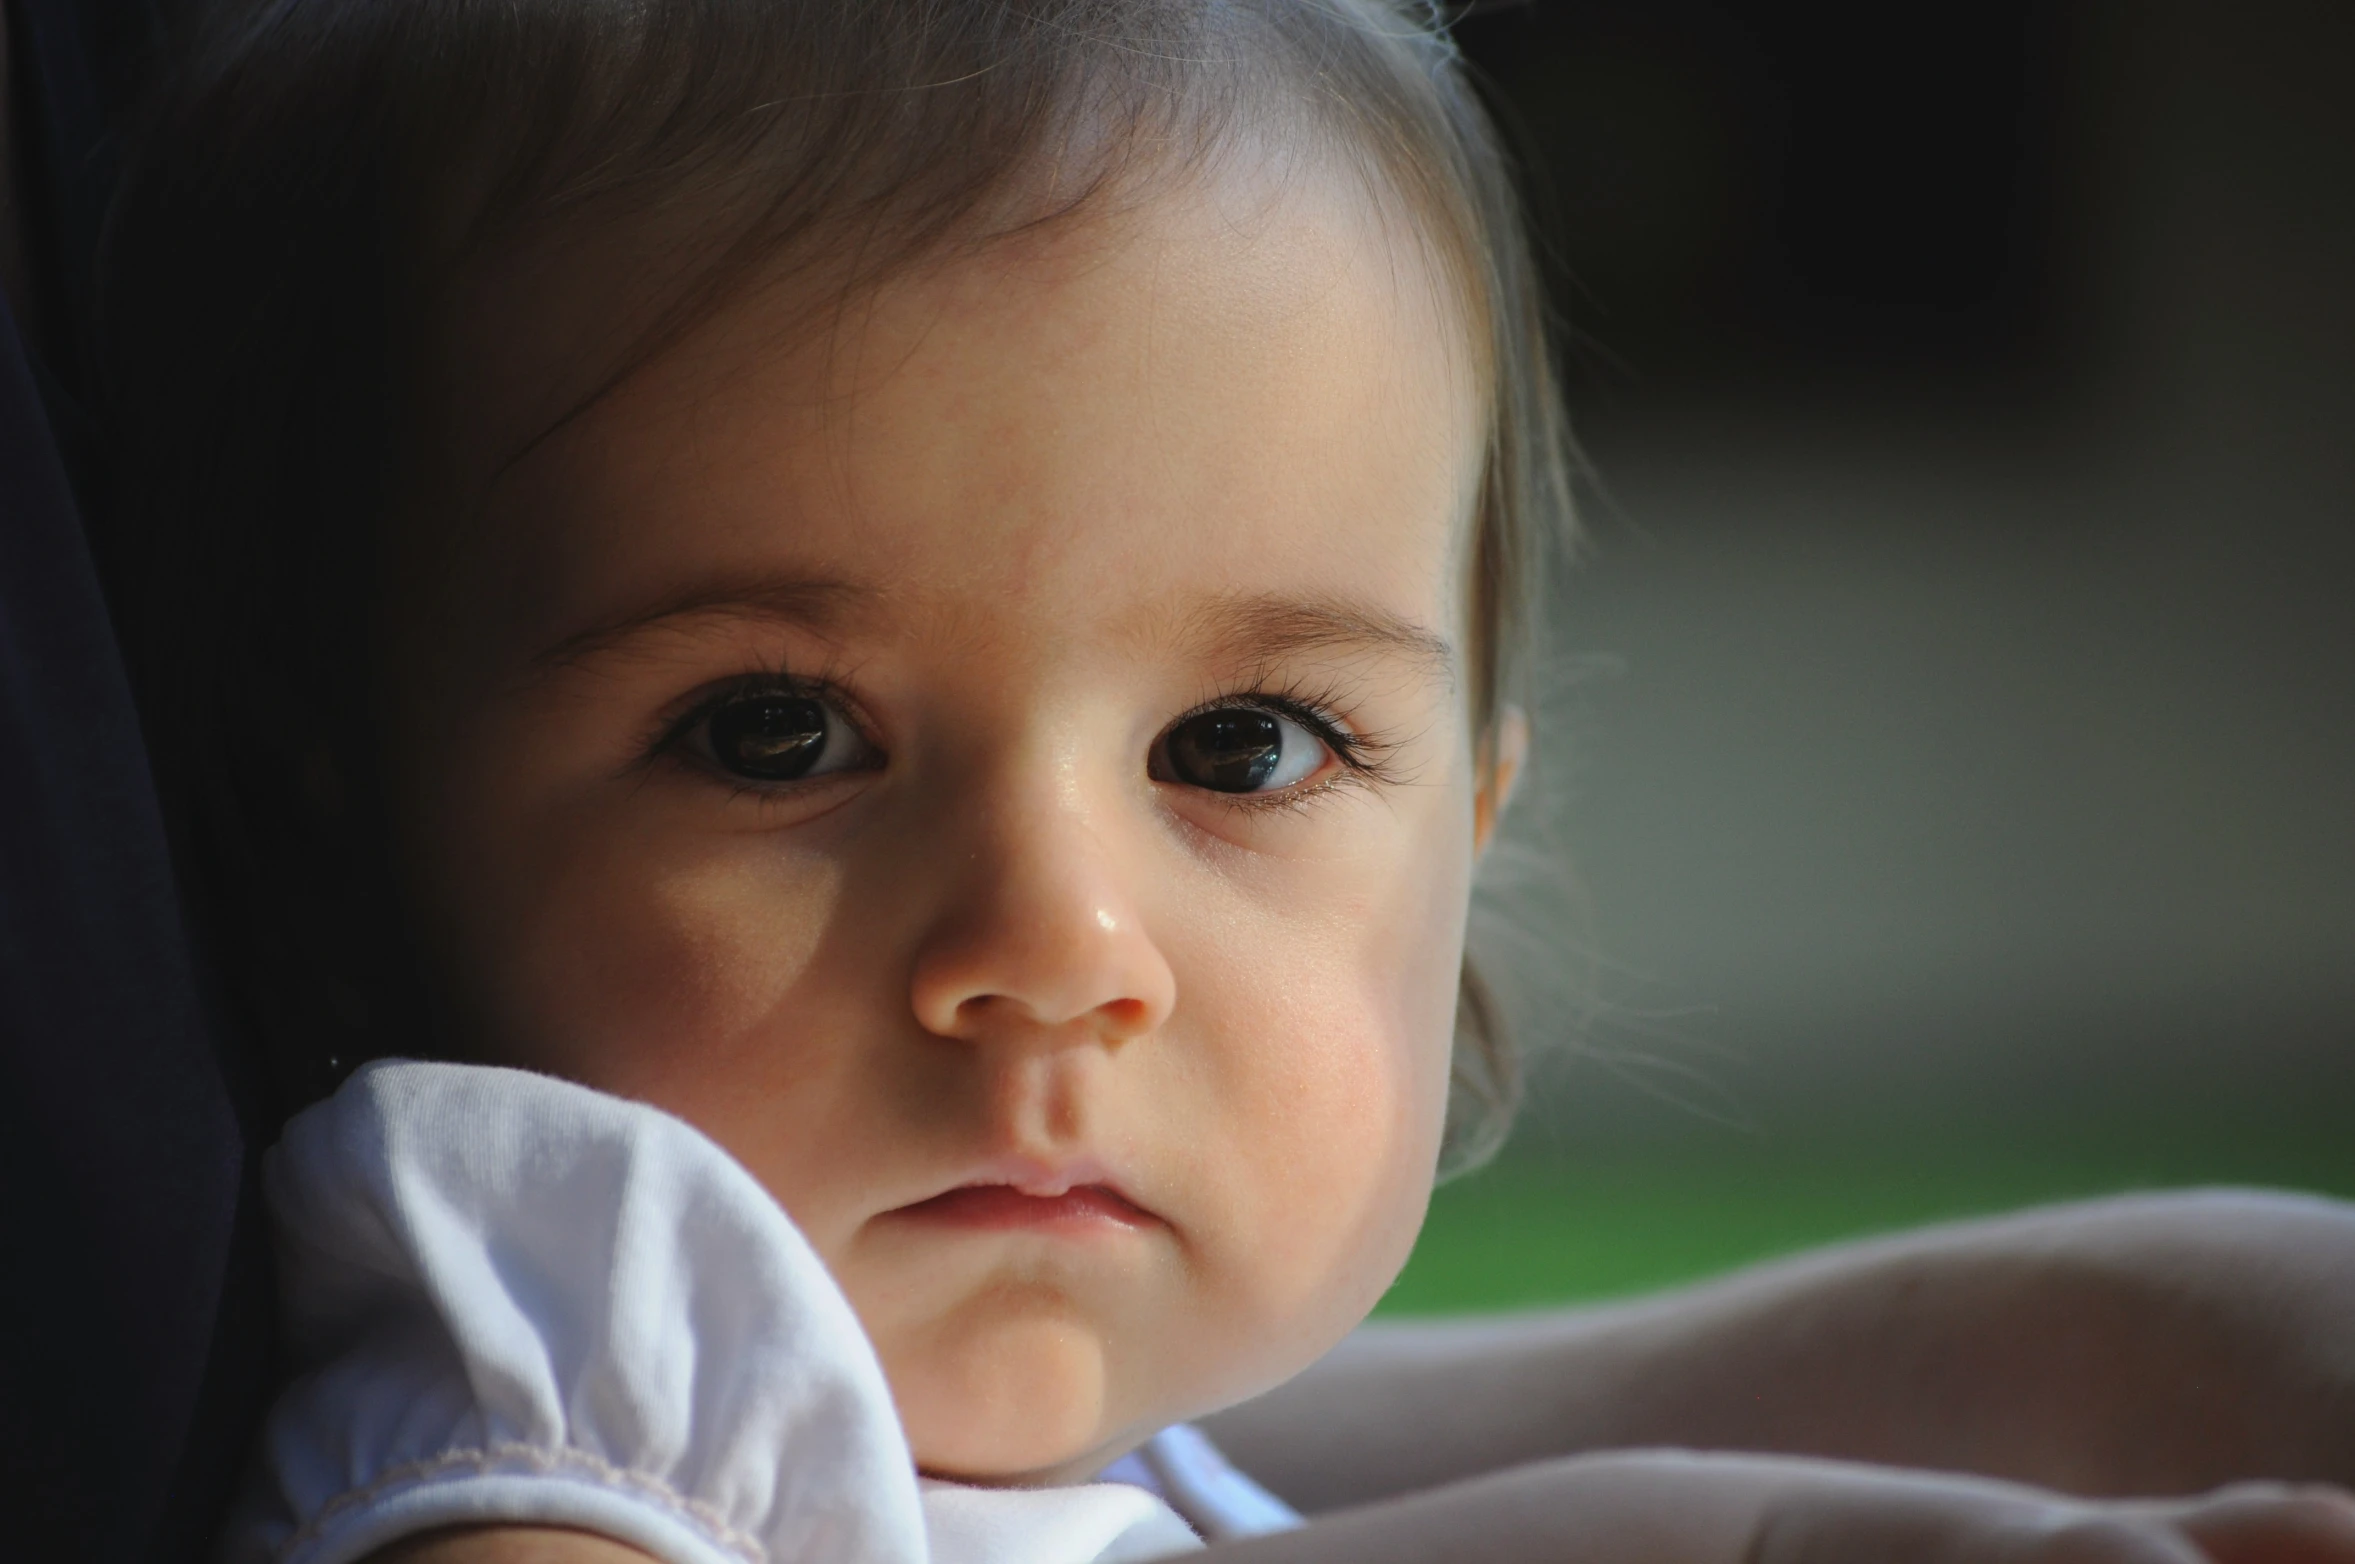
1330, 1134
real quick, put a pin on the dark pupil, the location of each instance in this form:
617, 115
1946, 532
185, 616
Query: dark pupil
1231, 751
773, 738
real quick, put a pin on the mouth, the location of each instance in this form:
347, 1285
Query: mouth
1032, 1200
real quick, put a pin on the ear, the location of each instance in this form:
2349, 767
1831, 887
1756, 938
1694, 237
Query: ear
1502, 750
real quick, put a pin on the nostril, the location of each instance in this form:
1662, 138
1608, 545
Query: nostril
982, 1016
977, 1009
1127, 1017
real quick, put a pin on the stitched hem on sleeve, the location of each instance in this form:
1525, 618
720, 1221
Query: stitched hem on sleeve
516, 1459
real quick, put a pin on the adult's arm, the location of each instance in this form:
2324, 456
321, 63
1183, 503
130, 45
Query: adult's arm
1670, 1507
2158, 1344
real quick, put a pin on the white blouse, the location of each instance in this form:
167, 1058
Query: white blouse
511, 1298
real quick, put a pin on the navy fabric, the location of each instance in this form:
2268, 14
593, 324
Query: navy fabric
134, 1320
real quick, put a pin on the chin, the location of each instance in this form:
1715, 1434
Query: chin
1006, 1399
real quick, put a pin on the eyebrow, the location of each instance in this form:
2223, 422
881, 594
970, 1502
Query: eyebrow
1274, 627
814, 602
1264, 626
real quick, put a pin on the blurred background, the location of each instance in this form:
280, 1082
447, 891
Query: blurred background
1950, 736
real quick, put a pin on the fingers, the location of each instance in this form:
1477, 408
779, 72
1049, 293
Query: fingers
1926, 1520
2270, 1523
2076, 1535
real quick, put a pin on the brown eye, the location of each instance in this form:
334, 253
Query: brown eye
1239, 749
776, 736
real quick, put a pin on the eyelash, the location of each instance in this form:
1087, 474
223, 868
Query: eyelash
1364, 757
672, 730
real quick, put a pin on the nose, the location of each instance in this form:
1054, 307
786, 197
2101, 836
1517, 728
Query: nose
1039, 934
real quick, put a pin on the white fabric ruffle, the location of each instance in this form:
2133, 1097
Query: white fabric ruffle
516, 1299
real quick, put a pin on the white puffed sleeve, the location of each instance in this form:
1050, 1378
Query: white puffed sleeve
516, 1299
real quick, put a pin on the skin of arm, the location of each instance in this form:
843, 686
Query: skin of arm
508, 1545
2149, 1345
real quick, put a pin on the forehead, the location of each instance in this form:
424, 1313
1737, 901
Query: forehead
1255, 384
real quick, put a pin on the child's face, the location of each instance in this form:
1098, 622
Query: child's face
1002, 772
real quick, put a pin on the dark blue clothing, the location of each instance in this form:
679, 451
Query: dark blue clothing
134, 1331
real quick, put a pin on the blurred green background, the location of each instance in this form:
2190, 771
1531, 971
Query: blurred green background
1532, 1230
1945, 797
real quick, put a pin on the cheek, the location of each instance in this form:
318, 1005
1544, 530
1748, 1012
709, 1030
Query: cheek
720, 983
1336, 1036
636, 963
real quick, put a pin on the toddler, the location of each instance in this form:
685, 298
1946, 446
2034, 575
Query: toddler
891, 627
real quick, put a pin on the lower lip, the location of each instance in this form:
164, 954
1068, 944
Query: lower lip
1001, 1207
